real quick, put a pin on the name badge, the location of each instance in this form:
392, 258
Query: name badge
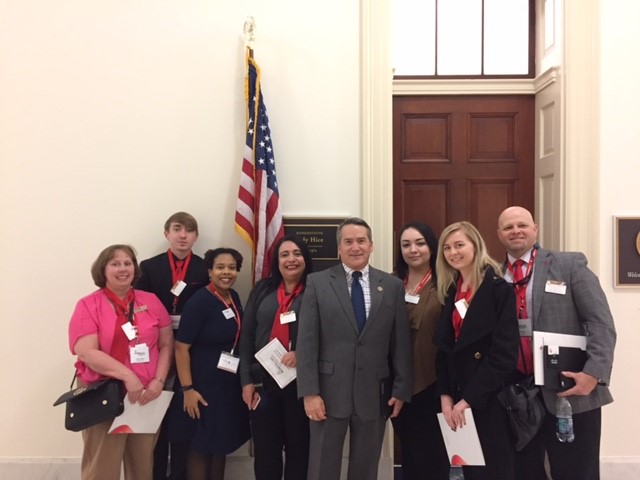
524, 325
409, 298
175, 321
139, 353
228, 313
228, 362
462, 306
129, 330
287, 317
141, 308
555, 286
178, 287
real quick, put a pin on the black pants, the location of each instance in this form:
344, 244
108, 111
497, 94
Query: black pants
495, 437
578, 460
178, 452
174, 440
424, 456
280, 424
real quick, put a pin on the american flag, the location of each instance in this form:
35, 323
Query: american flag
258, 215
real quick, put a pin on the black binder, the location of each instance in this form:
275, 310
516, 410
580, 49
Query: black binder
562, 359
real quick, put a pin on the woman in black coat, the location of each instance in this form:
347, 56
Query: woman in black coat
477, 339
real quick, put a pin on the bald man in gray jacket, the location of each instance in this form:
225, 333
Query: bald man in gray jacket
561, 295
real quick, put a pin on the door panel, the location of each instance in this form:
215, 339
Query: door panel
462, 158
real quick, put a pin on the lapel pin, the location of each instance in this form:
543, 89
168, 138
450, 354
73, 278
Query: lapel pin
380, 288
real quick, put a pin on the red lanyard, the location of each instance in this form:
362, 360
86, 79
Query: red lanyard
213, 290
422, 283
177, 274
520, 283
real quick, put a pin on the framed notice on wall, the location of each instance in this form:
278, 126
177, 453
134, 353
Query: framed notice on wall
627, 252
320, 236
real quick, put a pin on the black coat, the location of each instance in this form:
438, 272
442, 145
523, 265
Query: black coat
156, 278
485, 355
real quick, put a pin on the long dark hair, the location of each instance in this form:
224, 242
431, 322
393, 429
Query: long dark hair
272, 282
432, 242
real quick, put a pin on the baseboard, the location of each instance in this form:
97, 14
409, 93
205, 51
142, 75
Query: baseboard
241, 468
616, 468
238, 468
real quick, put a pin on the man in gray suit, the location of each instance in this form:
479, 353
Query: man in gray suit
354, 369
556, 292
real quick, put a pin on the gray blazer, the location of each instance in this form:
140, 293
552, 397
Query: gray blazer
583, 310
353, 373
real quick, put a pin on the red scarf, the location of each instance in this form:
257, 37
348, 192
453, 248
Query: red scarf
120, 344
280, 330
456, 317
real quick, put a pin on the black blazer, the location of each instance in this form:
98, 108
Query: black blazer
485, 355
156, 278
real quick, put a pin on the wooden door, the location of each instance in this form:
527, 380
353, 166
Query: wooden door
462, 158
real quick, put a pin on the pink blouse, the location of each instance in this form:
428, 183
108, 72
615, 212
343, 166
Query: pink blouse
94, 315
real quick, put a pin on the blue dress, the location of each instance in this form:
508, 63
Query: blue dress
223, 425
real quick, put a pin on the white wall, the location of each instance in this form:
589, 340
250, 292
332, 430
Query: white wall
115, 114
619, 187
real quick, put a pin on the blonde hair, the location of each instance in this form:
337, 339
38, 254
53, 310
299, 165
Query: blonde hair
447, 275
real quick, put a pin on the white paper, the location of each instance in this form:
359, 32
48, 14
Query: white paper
270, 357
463, 445
138, 418
540, 339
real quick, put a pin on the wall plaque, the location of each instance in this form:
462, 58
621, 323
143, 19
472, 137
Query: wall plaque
627, 251
320, 236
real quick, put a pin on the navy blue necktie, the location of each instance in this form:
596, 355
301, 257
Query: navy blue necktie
357, 300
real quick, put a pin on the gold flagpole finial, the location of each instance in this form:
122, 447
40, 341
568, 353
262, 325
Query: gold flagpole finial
249, 32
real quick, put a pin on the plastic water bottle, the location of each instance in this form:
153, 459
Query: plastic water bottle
564, 421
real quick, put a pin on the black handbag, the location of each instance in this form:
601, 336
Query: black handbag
524, 408
88, 405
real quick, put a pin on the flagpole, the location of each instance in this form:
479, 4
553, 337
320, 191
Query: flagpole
249, 30
249, 34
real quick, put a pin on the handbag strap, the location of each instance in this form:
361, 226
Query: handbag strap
75, 375
129, 319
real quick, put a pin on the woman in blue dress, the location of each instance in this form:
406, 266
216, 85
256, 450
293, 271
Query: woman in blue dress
207, 362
